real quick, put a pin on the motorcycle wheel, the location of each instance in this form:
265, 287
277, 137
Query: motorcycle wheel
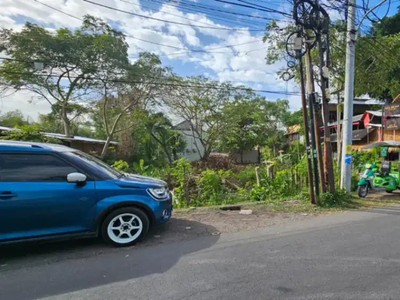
362, 191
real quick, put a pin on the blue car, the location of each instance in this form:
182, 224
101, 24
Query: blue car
52, 191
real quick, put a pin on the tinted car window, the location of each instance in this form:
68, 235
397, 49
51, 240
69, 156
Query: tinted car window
33, 167
96, 164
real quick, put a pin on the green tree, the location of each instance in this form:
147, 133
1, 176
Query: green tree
291, 118
73, 61
376, 72
389, 25
169, 139
13, 119
135, 91
248, 123
52, 122
199, 101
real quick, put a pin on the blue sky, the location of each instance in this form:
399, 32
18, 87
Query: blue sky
240, 64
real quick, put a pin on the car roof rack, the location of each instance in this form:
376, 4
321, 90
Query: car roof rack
19, 143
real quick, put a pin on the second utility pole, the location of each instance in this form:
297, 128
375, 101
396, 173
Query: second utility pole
314, 129
348, 97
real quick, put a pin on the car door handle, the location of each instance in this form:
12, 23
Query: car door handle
7, 194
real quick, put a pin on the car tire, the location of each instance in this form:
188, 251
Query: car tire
125, 227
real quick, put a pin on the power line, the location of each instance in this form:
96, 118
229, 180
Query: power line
166, 21
211, 11
167, 13
211, 8
159, 83
185, 50
261, 8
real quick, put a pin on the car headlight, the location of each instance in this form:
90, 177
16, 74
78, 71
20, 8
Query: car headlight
158, 193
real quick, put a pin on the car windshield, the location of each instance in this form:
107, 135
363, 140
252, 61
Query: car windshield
97, 163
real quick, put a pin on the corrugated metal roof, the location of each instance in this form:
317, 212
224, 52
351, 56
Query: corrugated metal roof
356, 118
63, 137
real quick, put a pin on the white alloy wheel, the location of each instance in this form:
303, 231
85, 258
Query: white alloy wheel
124, 228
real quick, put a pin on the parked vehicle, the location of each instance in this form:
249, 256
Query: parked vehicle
52, 191
387, 178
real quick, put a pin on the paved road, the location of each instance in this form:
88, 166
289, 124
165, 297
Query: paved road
353, 255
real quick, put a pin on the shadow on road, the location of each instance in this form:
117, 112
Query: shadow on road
55, 268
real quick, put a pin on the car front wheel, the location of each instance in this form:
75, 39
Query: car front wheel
125, 226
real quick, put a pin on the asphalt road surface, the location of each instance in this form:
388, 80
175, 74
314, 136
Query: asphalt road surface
353, 255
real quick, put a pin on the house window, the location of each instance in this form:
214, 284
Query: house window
332, 116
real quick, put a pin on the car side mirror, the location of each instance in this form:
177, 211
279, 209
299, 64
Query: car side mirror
76, 178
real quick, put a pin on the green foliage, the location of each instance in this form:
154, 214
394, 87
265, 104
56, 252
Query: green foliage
13, 119
250, 121
30, 133
165, 136
245, 177
389, 25
93, 50
121, 165
211, 187
277, 187
201, 107
182, 171
375, 72
336, 199
141, 168
362, 157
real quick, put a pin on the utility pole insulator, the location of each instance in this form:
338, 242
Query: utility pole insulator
298, 43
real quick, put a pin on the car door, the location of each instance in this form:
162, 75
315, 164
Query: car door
36, 199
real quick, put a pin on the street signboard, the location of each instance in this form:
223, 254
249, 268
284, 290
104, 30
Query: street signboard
392, 109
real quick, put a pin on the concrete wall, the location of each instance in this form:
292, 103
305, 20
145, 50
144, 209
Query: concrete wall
191, 152
249, 157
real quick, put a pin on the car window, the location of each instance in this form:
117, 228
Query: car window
33, 167
95, 163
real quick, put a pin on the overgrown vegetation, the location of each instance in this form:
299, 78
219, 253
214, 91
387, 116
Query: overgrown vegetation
126, 97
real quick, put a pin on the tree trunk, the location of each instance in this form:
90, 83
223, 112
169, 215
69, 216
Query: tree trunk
67, 123
105, 147
110, 136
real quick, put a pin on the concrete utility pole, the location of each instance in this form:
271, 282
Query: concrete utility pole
348, 97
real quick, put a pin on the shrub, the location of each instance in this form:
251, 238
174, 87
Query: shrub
121, 165
245, 177
338, 198
212, 188
183, 181
29, 133
260, 193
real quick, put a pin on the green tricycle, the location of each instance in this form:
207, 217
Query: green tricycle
386, 179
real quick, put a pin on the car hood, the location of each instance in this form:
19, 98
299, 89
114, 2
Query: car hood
138, 180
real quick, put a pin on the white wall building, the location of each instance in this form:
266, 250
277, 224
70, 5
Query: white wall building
194, 149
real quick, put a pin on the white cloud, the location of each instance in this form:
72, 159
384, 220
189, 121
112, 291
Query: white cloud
26, 102
237, 64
